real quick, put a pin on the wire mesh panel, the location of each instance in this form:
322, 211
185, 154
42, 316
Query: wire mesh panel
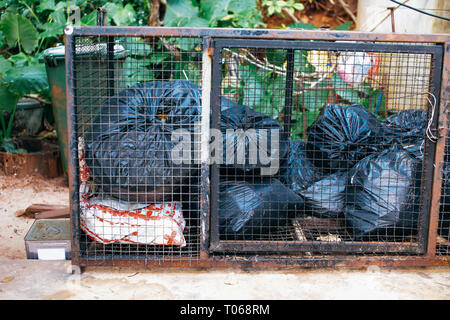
443, 232
324, 147
138, 109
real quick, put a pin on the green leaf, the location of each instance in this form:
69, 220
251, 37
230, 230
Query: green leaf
301, 25
301, 63
2, 39
195, 22
8, 146
344, 90
11, 9
158, 57
137, 47
188, 44
136, 71
90, 19
179, 10
55, 27
4, 3
251, 84
46, 5
375, 102
121, 15
214, 10
20, 60
28, 79
8, 99
299, 6
52, 31
313, 99
276, 56
19, 30
239, 6
58, 17
5, 65
344, 26
276, 91
274, 88
297, 122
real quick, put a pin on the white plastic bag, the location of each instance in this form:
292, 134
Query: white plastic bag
354, 67
115, 221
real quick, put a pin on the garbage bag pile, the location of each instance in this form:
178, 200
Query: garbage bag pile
367, 170
352, 167
130, 148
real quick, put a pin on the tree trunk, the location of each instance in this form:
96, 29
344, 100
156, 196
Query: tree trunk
157, 12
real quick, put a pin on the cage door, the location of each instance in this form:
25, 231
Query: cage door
322, 147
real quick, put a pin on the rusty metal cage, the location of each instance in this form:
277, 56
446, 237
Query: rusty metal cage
257, 148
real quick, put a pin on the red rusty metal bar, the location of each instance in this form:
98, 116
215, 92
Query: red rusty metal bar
392, 18
440, 151
260, 34
307, 246
72, 167
264, 262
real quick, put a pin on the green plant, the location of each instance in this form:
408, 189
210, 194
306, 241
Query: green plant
213, 13
278, 6
27, 28
157, 61
20, 74
258, 79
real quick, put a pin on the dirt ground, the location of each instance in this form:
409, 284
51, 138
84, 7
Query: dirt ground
17, 194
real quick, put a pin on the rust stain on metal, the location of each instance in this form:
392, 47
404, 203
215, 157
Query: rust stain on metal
210, 51
58, 93
259, 33
439, 155
264, 263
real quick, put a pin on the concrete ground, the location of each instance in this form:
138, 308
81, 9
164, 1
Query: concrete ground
51, 280
34, 279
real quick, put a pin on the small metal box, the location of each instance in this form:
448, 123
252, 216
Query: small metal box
49, 239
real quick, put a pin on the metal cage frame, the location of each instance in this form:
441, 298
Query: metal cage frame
423, 254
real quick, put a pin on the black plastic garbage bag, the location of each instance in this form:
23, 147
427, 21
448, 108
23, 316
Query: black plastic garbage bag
326, 198
252, 140
175, 102
341, 136
410, 124
251, 210
407, 128
299, 173
382, 195
135, 163
129, 147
